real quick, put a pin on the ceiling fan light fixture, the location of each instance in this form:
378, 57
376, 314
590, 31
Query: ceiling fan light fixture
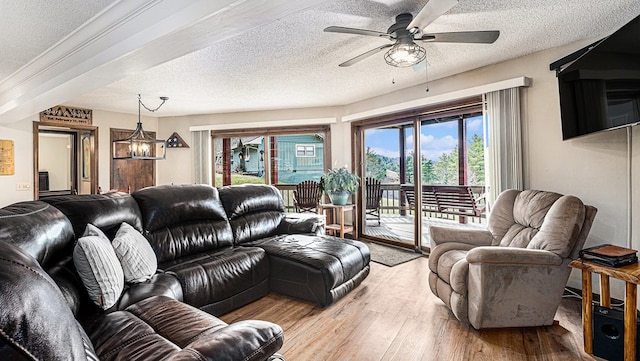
404, 55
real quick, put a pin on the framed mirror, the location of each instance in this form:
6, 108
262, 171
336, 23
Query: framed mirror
65, 159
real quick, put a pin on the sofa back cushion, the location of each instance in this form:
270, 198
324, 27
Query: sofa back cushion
43, 232
35, 321
105, 211
179, 220
39, 229
538, 220
254, 210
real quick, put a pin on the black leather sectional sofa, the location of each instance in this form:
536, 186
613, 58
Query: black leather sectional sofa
217, 249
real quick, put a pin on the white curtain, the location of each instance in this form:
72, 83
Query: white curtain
504, 155
201, 157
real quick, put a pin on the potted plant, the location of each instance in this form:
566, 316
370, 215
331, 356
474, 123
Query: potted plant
339, 183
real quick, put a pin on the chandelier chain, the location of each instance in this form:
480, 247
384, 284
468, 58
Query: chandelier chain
164, 99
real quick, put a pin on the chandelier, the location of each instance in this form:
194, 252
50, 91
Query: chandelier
141, 144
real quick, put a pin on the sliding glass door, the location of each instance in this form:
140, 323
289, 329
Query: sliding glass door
388, 161
447, 149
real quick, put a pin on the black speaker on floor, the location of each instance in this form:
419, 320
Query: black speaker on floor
608, 334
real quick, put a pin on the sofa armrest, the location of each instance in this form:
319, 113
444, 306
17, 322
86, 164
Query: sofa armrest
250, 340
474, 237
303, 225
162, 328
507, 255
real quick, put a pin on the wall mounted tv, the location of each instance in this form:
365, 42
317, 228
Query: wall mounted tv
600, 89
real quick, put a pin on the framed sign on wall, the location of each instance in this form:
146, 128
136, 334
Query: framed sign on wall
7, 160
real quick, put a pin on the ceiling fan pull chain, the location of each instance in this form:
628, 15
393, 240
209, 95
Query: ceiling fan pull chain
394, 74
426, 74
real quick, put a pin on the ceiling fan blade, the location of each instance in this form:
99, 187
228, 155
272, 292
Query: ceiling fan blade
340, 29
480, 37
364, 55
430, 12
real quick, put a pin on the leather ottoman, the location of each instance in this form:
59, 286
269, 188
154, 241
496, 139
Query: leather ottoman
320, 269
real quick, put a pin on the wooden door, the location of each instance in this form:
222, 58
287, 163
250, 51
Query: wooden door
130, 175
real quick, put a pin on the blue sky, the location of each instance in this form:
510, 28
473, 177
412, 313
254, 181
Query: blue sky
435, 139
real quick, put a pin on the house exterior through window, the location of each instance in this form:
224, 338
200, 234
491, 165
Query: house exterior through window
305, 150
278, 156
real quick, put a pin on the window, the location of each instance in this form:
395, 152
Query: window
305, 150
282, 156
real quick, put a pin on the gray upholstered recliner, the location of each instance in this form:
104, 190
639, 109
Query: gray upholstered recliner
513, 273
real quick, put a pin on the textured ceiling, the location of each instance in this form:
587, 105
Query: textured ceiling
287, 61
29, 28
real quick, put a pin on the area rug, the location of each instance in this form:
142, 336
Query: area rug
390, 256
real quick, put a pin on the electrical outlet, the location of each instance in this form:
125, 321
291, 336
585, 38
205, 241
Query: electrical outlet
23, 186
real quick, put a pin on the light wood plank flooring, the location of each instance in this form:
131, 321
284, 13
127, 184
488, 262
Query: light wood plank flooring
393, 315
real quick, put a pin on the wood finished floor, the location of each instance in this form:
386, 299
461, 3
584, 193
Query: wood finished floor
393, 315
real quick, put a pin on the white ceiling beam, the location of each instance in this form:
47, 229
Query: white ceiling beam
129, 37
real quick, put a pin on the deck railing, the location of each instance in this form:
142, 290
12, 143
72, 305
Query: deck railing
393, 202
287, 195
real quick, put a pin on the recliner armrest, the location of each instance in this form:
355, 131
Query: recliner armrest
474, 237
508, 255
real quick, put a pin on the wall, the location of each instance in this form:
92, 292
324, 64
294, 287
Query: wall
593, 168
22, 135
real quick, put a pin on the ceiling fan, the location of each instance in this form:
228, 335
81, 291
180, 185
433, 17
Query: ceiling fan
404, 52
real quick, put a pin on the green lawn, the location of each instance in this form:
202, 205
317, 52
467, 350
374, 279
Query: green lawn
241, 179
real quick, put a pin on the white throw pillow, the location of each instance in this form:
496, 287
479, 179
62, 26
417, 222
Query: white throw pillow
136, 256
98, 267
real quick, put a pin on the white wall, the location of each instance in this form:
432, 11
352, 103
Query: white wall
22, 135
593, 168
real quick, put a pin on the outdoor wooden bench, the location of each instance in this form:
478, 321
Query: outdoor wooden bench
455, 200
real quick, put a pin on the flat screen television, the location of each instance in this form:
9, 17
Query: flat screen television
601, 89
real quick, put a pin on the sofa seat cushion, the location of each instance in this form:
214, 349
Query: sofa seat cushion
161, 328
319, 269
209, 278
161, 284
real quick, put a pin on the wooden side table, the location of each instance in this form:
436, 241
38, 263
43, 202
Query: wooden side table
631, 276
338, 218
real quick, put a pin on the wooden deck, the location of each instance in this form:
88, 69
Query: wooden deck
393, 315
399, 228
